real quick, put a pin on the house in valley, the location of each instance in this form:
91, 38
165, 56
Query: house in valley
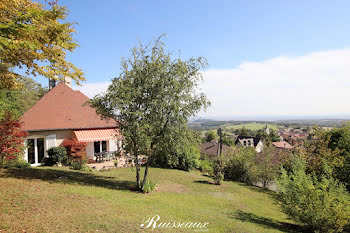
283, 145
62, 114
256, 142
212, 148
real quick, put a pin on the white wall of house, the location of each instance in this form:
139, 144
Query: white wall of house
51, 138
54, 138
112, 145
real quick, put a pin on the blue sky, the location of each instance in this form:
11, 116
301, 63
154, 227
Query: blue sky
229, 34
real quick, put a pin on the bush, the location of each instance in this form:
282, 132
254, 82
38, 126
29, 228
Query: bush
206, 166
239, 165
75, 149
79, 164
219, 166
11, 139
149, 186
181, 152
321, 204
16, 163
57, 155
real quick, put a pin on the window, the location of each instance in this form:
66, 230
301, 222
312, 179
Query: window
31, 151
97, 147
104, 145
35, 150
41, 149
100, 146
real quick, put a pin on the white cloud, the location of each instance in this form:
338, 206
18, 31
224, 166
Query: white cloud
314, 84
92, 89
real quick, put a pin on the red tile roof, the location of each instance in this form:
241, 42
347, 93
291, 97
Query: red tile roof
282, 145
62, 108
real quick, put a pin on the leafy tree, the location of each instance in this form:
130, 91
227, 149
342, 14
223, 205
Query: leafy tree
19, 101
265, 167
210, 135
239, 164
182, 153
228, 141
35, 38
273, 136
11, 139
244, 131
9, 103
316, 152
320, 203
339, 140
152, 99
31, 94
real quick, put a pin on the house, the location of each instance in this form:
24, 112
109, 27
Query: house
212, 148
256, 142
62, 114
282, 145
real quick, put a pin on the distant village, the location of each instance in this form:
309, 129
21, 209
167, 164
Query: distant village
282, 139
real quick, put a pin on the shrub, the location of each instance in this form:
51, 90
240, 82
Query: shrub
178, 152
321, 204
75, 149
239, 165
57, 155
206, 166
79, 164
11, 139
149, 186
219, 166
16, 163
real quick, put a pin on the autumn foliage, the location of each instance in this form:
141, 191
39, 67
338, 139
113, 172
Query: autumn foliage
11, 138
75, 149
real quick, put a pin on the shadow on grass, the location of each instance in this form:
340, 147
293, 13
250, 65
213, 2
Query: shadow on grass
259, 189
204, 182
267, 222
68, 177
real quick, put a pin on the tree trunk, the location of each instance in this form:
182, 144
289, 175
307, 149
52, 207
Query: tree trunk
146, 170
136, 160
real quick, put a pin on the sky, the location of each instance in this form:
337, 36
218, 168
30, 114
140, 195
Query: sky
266, 58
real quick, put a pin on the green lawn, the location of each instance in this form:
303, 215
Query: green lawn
62, 200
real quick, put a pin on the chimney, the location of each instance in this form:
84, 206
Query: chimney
68, 81
52, 83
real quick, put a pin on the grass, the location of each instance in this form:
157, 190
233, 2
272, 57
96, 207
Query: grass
251, 126
62, 200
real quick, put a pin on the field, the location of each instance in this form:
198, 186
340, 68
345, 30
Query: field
62, 200
251, 126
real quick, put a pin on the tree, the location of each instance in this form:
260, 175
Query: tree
244, 131
35, 39
31, 94
210, 135
152, 99
320, 203
265, 167
9, 103
11, 139
19, 101
181, 153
